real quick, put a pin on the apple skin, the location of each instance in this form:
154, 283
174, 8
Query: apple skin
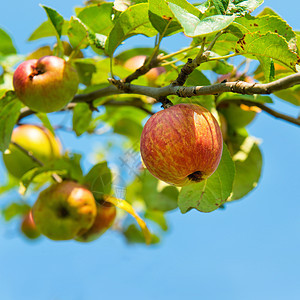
136, 62
46, 84
35, 139
64, 210
29, 228
182, 144
106, 214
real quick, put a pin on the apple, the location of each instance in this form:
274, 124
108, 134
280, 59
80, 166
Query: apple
136, 62
182, 144
39, 141
28, 227
106, 214
64, 210
46, 84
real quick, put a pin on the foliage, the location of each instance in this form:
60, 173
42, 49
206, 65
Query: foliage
263, 41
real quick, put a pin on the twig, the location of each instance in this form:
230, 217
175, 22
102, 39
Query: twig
192, 64
273, 113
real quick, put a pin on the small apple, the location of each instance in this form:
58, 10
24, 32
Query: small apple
28, 227
64, 210
136, 62
182, 144
46, 84
106, 214
38, 141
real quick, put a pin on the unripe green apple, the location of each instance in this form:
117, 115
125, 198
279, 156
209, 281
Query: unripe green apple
64, 210
136, 62
182, 144
38, 141
46, 84
106, 214
28, 227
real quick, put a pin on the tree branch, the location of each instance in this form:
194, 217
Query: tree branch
240, 87
273, 113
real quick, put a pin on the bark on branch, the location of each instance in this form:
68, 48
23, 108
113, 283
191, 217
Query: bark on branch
240, 87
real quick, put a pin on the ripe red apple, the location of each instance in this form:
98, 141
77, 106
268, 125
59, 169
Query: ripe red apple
136, 62
106, 214
46, 84
39, 141
28, 227
64, 210
182, 144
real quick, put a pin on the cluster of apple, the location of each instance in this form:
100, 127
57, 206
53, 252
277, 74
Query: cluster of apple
180, 145
66, 210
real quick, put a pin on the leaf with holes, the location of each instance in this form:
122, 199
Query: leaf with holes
267, 45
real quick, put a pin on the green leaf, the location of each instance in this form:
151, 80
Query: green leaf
291, 95
131, 22
158, 217
15, 209
243, 6
10, 108
99, 179
267, 11
248, 165
46, 29
40, 175
69, 164
209, 195
265, 24
162, 198
162, 18
203, 7
267, 45
236, 97
10, 184
193, 26
98, 18
82, 116
135, 236
197, 78
44, 118
186, 5
6, 46
221, 6
121, 5
85, 69
55, 19
77, 34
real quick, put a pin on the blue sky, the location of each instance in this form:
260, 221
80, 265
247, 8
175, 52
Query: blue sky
248, 251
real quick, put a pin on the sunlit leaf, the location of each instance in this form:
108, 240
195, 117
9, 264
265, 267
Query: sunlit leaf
210, 194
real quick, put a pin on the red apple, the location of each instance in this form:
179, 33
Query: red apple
64, 210
46, 84
28, 227
39, 141
182, 144
136, 62
106, 214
